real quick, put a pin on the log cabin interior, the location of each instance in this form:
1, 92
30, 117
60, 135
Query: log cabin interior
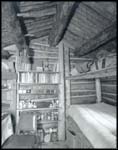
58, 74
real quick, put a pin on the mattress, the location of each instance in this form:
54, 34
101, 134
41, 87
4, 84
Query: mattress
97, 122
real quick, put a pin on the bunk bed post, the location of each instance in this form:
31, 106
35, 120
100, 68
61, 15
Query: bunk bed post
61, 124
98, 90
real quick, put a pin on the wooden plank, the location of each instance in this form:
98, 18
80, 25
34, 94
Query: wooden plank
109, 101
83, 87
109, 96
45, 12
83, 100
100, 39
111, 89
98, 90
65, 12
61, 124
109, 82
80, 59
107, 72
82, 92
80, 96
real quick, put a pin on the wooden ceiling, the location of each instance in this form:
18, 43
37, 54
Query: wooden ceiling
37, 19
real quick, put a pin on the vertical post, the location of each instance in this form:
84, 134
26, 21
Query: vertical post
67, 82
61, 124
98, 90
67, 73
17, 93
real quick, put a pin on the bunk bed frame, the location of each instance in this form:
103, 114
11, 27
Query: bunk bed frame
78, 139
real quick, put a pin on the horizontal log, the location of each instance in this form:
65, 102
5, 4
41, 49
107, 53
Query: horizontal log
111, 89
101, 38
109, 82
77, 82
109, 96
111, 71
82, 93
109, 101
83, 100
79, 59
83, 87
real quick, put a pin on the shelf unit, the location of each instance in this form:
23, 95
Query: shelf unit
49, 98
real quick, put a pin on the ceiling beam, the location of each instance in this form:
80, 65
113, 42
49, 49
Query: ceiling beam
65, 12
12, 23
99, 40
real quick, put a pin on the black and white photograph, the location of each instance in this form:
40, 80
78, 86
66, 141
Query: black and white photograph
58, 74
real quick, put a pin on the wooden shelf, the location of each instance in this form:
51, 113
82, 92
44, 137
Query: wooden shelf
39, 109
48, 122
36, 71
35, 94
9, 75
38, 83
43, 99
79, 59
111, 71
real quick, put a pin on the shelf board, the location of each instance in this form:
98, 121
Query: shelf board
48, 122
34, 109
44, 99
36, 71
79, 59
107, 72
34, 94
47, 58
38, 83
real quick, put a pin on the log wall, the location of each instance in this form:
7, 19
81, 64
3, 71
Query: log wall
108, 87
83, 92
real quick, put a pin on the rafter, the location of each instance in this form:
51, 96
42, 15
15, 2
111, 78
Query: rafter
65, 11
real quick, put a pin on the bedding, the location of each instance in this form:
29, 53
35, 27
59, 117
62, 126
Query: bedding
97, 122
7, 127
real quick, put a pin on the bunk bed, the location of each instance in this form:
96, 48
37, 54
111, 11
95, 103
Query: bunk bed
92, 125
96, 121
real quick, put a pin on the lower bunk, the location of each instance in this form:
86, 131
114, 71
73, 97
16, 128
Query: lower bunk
91, 126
